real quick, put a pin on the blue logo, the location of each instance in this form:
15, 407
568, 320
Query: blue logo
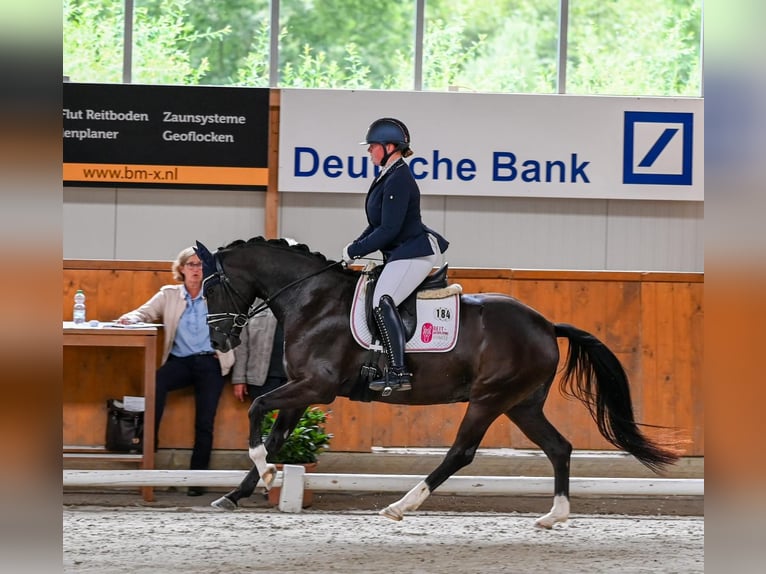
658, 148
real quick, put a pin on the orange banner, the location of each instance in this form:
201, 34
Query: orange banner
166, 174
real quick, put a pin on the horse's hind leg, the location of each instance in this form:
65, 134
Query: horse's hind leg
475, 423
532, 422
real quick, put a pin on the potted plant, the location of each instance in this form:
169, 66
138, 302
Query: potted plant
307, 441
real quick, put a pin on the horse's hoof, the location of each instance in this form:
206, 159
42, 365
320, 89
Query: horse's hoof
224, 503
389, 512
548, 521
269, 474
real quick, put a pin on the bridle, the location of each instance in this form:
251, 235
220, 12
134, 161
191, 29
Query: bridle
240, 318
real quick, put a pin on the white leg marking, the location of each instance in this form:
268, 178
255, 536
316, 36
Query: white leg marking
267, 471
411, 501
559, 513
257, 454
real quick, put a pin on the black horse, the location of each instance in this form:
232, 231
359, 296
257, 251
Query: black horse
504, 363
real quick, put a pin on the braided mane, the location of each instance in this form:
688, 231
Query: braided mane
279, 242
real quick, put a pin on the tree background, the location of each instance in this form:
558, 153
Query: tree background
621, 47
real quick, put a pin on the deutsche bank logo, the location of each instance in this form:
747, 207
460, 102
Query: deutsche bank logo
658, 148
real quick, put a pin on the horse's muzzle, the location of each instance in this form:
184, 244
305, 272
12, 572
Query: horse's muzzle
223, 342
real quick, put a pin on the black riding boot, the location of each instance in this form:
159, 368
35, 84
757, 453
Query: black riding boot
391, 328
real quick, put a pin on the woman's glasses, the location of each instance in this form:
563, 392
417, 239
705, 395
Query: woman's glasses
192, 264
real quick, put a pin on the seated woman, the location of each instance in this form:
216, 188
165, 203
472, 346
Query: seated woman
188, 359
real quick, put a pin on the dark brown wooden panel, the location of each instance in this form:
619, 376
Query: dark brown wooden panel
652, 321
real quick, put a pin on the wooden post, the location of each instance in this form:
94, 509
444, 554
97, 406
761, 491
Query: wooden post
271, 223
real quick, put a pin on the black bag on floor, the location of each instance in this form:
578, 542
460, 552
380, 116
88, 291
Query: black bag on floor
124, 429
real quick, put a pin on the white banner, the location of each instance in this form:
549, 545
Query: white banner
499, 144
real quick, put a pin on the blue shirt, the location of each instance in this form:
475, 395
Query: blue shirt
193, 334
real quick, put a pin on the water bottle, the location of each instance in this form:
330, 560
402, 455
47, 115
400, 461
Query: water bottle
78, 315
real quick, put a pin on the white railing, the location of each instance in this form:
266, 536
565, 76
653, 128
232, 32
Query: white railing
293, 480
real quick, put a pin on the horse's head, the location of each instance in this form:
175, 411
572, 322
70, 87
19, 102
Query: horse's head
287, 277
227, 305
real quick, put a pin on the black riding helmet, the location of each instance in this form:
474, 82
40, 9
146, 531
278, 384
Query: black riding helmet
389, 130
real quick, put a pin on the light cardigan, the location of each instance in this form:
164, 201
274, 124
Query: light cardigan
253, 355
168, 304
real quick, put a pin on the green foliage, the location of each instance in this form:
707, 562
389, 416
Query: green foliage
629, 47
316, 71
161, 43
93, 41
306, 442
445, 55
336, 32
626, 47
254, 70
242, 50
521, 54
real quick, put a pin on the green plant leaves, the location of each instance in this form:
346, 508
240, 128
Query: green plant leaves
307, 441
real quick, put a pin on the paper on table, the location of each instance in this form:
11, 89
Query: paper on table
133, 325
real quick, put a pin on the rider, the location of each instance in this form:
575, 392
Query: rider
410, 249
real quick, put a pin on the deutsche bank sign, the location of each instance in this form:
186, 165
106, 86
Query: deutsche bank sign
658, 148
503, 145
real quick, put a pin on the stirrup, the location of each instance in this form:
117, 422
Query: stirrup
391, 381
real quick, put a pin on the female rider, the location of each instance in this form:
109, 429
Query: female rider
410, 249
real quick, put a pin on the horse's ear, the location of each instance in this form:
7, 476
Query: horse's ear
207, 258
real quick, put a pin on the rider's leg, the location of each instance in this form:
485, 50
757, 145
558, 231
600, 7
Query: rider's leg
392, 334
398, 279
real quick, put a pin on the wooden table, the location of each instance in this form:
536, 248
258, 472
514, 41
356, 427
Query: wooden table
144, 338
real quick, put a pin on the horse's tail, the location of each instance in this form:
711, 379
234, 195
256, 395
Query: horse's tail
594, 375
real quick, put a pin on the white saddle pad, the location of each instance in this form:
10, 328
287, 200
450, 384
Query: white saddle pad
437, 328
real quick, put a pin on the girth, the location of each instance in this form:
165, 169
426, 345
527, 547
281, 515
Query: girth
408, 307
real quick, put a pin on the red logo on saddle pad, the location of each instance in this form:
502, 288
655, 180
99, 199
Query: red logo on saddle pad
427, 332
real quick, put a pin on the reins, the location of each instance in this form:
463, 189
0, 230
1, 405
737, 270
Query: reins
254, 311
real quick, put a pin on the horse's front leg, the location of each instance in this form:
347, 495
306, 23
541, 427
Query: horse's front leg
257, 452
284, 425
287, 420
230, 500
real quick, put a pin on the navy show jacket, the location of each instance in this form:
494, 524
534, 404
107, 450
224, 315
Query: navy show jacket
394, 225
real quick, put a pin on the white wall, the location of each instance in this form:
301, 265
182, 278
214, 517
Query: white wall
521, 233
156, 224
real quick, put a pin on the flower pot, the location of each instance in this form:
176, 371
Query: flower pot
308, 495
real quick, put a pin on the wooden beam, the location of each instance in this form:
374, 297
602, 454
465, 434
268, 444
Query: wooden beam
271, 224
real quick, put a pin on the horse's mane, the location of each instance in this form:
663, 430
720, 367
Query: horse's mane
282, 243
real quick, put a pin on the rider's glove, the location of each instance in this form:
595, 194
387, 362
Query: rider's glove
347, 259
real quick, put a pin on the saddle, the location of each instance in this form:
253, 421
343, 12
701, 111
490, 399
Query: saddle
408, 310
435, 331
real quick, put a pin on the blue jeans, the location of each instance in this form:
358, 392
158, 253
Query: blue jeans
203, 372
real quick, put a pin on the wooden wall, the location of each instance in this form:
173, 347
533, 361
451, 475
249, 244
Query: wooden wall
652, 321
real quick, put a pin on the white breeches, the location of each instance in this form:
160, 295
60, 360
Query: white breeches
400, 278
